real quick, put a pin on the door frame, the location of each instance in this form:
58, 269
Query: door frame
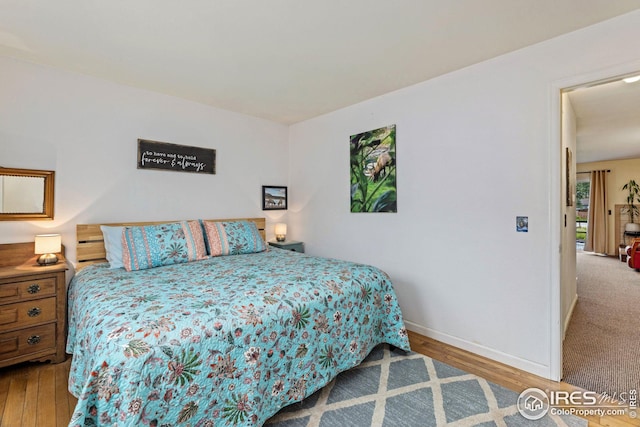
556, 201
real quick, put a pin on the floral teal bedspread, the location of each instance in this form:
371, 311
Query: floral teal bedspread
223, 341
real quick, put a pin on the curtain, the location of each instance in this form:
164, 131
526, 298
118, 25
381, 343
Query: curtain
597, 236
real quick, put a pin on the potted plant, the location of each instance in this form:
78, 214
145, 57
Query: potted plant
631, 208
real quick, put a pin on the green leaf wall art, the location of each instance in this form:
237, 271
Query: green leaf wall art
373, 170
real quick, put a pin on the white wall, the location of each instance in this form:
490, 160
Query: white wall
86, 130
475, 149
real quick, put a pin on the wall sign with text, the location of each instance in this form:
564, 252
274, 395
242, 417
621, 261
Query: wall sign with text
174, 157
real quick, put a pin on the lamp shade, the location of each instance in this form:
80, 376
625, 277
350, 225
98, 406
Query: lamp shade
281, 232
48, 244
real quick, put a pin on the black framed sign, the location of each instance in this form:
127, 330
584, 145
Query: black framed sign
274, 198
174, 157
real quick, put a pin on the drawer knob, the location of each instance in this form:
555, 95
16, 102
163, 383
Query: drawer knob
33, 289
33, 312
33, 339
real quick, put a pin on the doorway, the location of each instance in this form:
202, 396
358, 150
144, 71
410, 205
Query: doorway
589, 111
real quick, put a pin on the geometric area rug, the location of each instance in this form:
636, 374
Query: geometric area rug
397, 389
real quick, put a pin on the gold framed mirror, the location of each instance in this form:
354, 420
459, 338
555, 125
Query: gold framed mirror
26, 194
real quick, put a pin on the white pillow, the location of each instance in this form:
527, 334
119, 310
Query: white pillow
113, 245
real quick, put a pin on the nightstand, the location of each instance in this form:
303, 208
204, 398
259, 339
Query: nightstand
290, 245
33, 307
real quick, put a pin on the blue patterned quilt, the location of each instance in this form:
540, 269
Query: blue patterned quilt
223, 341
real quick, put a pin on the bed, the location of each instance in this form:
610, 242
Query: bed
226, 340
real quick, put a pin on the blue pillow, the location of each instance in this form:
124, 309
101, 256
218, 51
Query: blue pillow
163, 244
232, 238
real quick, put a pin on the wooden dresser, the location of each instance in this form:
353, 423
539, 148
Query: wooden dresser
33, 306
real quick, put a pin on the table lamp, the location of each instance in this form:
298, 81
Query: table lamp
47, 245
281, 232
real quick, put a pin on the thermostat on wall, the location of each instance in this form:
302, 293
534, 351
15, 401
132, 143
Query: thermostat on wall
522, 224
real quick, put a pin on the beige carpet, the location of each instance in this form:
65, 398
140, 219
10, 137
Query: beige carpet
602, 345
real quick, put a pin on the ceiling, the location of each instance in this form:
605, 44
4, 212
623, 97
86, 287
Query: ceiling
282, 60
607, 121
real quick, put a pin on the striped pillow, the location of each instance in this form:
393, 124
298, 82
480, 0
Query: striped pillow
163, 244
232, 238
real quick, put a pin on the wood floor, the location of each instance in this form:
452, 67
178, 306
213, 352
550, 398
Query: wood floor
35, 394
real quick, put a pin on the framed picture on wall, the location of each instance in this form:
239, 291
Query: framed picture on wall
569, 178
373, 170
274, 198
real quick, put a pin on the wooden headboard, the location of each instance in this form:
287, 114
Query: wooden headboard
90, 242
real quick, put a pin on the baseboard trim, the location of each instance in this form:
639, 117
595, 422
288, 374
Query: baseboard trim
568, 317
498, 356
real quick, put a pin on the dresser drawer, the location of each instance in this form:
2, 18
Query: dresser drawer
23, 314
29, 289
33, 307
27, 341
